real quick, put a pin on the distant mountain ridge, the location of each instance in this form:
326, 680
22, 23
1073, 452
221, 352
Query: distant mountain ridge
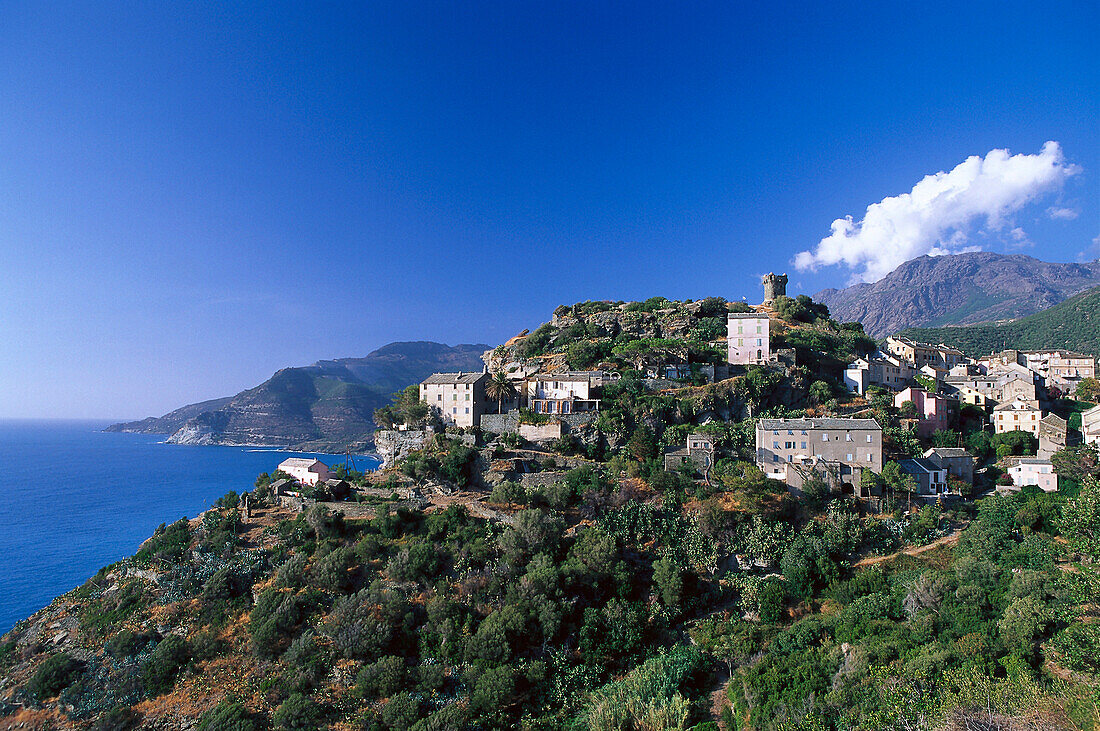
327, 406
1070, 325
958, 289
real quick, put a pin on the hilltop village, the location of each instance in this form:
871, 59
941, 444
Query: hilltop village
656, 515
955, 426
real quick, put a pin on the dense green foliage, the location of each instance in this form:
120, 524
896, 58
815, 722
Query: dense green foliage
1073, 324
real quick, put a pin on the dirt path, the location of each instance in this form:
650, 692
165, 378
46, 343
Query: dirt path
718, 701
948, 540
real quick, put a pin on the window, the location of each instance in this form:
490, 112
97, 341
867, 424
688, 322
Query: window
439, 397
467, 409
849, 458
803, 445
775, 445
467, 397
454, 397
848, 436
824, 437
454, 410
869, 439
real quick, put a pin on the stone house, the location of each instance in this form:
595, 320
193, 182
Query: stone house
1015, 387
748, 337
935, 411
1034, 471
699, 452
305, 470
836, 449
1063, 369
1053, 435
1018, 415
878, 369
931, 478
458, 398
922, 354
956, 460
565, 392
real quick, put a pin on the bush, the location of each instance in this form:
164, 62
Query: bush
55, 674
298, 711
158, 675
381, 679
227, 716
122, 718
509, 492
401, 712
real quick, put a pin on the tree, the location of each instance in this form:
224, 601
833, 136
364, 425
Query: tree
820, 392
499, 388
1088, 389
1077, 462
1081, 519
908, 410
642, 444
668, 582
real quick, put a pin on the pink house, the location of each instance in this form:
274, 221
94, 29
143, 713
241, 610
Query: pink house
934, 411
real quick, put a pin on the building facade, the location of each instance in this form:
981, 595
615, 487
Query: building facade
304, 470
935, 411
1017, 415
458, 398
837, 449
1033, 471
922, 354
698, 452
931, 478
1090, 425
956, 460
748, 337
567, 392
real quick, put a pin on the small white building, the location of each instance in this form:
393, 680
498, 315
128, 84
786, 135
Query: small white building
305, 470
748, 337
1090, 425
1033, 471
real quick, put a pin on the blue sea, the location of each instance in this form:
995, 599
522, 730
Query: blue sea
75, 499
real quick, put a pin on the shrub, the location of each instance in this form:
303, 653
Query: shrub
509, 492
298, 711
227, 716
158, 675
382, 678
401, 712
121, 718
53, 676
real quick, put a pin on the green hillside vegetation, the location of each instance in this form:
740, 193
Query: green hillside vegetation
1071, 325
607, 594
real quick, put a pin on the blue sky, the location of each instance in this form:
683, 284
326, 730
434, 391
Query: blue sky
191, 198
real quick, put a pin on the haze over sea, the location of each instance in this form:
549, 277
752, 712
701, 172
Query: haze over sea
77, 499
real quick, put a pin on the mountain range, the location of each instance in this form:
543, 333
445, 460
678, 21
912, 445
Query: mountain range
327, 406
958, 289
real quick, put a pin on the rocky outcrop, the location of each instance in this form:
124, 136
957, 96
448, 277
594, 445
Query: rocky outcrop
392, 445
958, 289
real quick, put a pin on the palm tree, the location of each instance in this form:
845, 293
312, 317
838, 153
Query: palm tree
500, 388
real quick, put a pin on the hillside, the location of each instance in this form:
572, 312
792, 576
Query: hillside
487, 582
1072, 325
325, 406
959, 289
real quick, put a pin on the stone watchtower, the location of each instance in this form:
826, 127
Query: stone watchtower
775, 285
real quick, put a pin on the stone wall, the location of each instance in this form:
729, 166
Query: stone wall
509, 423
541, 432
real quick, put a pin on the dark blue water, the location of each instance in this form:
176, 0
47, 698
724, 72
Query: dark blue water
75, 499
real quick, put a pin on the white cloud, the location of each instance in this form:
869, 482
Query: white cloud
938, 215
1062, 214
